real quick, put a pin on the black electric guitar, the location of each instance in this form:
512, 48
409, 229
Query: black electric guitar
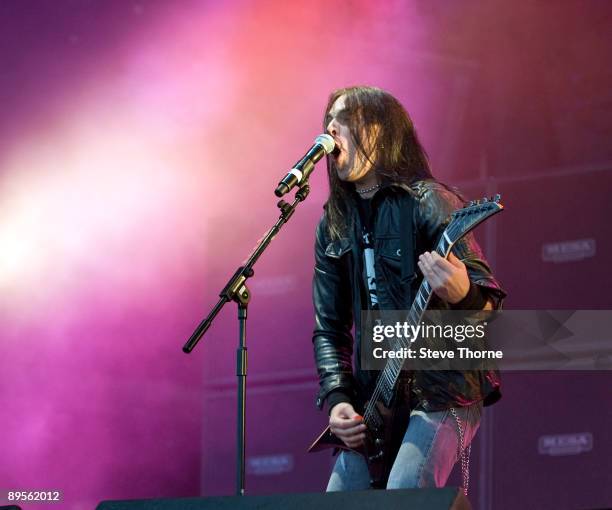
385, 419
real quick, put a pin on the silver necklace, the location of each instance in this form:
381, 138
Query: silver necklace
367, 190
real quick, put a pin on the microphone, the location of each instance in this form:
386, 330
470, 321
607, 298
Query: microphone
323, 145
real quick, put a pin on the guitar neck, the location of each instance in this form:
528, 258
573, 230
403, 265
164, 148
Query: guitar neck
423, 295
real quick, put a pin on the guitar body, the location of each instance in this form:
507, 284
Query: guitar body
382, 442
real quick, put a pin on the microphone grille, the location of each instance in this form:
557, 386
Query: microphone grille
327, 142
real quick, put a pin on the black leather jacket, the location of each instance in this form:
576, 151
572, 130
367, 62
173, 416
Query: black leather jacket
337, 293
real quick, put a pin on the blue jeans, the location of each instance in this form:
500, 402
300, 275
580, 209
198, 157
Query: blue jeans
425, 458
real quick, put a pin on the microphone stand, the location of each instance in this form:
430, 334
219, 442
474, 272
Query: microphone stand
236, 290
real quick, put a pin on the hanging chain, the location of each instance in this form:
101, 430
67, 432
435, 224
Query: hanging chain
462, 452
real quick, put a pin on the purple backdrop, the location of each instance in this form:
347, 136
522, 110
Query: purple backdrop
140, 143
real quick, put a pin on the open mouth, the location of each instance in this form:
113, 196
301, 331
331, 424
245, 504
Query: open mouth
336, 152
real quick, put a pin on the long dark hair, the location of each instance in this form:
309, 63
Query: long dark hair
400, 159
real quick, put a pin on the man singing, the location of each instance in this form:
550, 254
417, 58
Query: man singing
382, 192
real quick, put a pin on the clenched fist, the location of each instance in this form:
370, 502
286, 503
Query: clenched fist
347, 425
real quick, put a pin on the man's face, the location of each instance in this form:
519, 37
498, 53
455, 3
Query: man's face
350, 164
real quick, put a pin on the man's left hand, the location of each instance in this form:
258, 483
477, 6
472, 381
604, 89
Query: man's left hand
448, 277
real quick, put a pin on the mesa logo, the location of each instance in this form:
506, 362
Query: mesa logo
270, 464
565, 444
567, 251
274, 285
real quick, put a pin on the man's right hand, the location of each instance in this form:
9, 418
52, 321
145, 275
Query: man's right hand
347, 425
